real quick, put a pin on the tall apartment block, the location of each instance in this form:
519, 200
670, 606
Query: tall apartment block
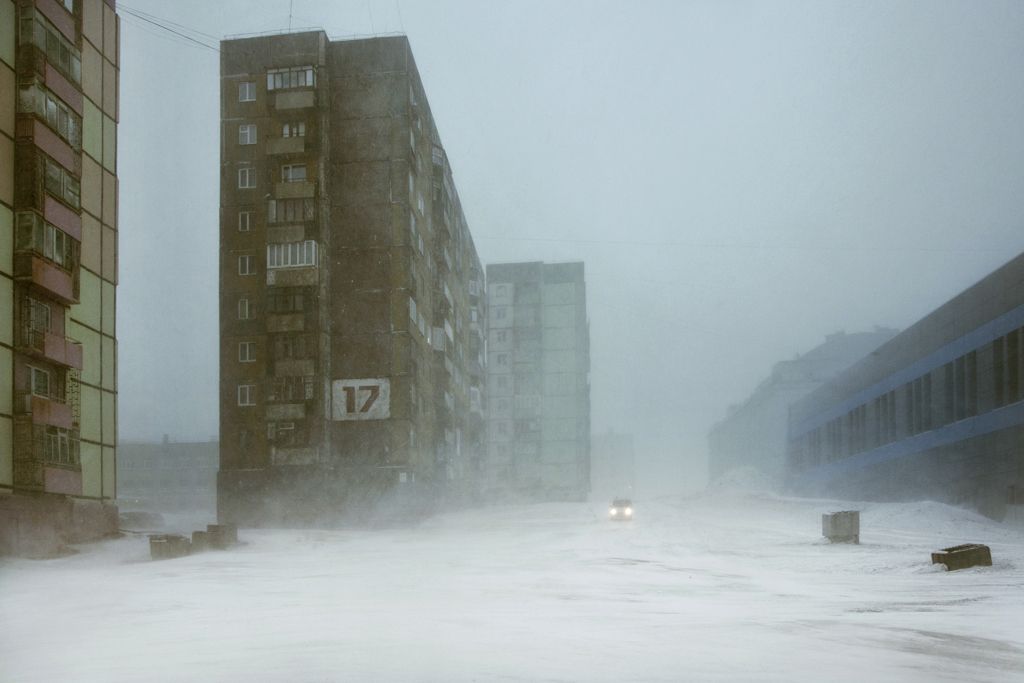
538, 381
59, 67
352, 346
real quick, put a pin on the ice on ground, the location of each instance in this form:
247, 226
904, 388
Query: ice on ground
711, 588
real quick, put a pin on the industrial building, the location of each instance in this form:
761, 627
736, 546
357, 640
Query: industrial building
935, 413
352, 297
753, 434
538, 381
59, 66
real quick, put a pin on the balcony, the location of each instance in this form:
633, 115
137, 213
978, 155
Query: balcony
33, 269
292, 277
49, 346
42, 410
286, 322
291, 145
294, 368
302, 189
295, 99
46, 460
286, 411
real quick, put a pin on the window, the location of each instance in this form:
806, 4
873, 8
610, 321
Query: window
294, 130
246, 91
60, 183
60, 53
34, 98
59, 447
293, 173
291, 255
38, 315
246, 177
298, 77
244, 221
44, 239
246, 394
69, 5
40, 382
287, 389
285, 301
293, 347
247, 352
244, 310
289, 210
246, 265
247, 134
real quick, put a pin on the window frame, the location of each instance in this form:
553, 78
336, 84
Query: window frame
249, 392
247, 91
247, 352
249, 267
247, 134
249, 175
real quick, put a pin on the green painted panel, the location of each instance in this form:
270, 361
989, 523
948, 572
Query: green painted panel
109, 473
92, 474
109, 418
7, 25
92, 131
109, 308
6, 239
6, 311
90, 351
109, 144
6, 381
109, 364
90, 424
6, 451
87, 311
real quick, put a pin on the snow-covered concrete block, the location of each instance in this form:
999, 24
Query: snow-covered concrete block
841, 527
168, 546
964, 556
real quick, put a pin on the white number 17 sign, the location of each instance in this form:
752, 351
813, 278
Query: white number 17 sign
361, 399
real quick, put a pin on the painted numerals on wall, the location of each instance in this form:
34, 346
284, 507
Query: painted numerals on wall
361, 399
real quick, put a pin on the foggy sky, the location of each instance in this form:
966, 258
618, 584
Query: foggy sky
740, 178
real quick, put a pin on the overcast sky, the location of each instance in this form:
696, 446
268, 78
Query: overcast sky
740, 178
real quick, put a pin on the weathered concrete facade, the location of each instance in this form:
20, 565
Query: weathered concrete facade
59, 66
349, 286
937, 412
754, 433
538, 381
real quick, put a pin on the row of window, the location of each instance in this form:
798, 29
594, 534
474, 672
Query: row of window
288, 255
948, 394
287, 301
34, 98
37, 30
286, 347
280, 211
279, 390
60, 446
47, 240
247, 132
290, 173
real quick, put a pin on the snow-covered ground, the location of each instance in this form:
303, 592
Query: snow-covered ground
735, 586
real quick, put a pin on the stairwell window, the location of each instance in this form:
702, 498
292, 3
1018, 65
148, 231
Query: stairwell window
246, 395
293, 173
246, 91
247, 352
291, 254
244, 221
247, 134
246, 178
244, 309
246, 265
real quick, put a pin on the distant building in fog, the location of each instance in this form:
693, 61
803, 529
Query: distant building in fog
169, 476
937, 412
753, 434
612, 465
538, 381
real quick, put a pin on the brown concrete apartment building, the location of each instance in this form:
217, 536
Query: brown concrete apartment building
351, 292
59, 66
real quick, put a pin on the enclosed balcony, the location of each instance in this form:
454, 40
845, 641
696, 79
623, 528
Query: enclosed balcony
289, 145
46, 458
39, 343
43, 410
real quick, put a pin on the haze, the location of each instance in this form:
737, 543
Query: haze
741, 179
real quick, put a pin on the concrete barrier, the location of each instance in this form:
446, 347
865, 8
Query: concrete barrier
168, 546
841, 527
222, 535
964, 556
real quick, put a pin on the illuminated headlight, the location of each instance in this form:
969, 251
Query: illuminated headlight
629, 512
613, 512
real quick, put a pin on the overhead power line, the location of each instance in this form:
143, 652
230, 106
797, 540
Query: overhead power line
166, 25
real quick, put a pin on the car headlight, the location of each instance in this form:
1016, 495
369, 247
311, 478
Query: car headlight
629, 512
613, 512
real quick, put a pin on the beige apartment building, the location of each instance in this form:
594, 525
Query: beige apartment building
59, 65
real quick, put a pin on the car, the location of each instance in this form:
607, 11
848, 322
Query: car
621, 510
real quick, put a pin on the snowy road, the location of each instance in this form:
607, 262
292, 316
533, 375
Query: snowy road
718, 587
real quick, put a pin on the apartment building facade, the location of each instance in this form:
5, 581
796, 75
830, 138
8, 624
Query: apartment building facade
59, 65
351, 292
538, 381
